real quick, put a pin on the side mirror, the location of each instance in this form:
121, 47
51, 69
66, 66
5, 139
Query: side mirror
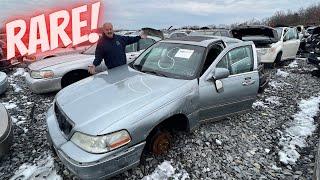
221, 73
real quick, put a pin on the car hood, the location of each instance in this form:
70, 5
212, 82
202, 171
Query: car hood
261, 34
45, 63
97, 102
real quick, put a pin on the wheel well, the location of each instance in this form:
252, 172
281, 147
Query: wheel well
49, 57
177, 122
65, 78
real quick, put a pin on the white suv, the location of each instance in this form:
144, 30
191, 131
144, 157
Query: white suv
273, 44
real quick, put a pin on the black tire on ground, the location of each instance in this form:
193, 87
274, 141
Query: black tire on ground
73, 77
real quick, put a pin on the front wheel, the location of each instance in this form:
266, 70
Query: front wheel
160, 142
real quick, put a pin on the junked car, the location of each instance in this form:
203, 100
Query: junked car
100, 126
55, 73
61, 51
212, 32
6, 131
273, 44
3, 82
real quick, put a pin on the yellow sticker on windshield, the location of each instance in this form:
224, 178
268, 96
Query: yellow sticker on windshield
184, 53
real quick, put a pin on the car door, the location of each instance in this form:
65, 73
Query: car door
286, 44
290, 44
296, 43
239, 89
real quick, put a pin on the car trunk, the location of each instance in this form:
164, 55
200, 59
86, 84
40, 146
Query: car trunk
262, 36
153, 32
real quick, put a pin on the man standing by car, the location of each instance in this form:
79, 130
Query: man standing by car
111, 48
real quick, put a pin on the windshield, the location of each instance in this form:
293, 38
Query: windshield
279, 31
91, 50
170, 60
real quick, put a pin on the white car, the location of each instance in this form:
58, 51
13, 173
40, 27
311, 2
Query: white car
54, 53
55, 73
273, 44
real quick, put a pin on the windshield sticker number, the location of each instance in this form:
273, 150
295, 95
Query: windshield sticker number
184, 53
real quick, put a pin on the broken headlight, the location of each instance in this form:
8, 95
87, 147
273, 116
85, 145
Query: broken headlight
45, 74
101, 144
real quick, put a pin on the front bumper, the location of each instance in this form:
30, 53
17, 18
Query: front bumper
43, 85
87, 165
268, 57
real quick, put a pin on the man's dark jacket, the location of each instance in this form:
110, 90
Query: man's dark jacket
113, 50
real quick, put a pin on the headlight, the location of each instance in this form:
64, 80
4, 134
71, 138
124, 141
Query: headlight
273, 49
101, 144
262, 51
31, 57
46, 74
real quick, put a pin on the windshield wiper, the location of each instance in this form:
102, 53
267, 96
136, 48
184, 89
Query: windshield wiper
155, 73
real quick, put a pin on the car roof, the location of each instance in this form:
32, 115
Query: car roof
203, 41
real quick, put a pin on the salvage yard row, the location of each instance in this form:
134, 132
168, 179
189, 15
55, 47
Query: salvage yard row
248, 145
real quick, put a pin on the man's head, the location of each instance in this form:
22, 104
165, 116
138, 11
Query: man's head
108, 30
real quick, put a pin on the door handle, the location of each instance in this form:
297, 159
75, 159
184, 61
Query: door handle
248, 82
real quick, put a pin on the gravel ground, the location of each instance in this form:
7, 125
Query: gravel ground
240, 147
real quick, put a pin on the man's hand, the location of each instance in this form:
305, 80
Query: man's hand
143, 35
92, 69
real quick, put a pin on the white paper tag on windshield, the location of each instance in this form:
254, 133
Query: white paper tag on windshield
184, 53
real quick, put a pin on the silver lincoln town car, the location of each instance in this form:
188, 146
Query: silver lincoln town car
100, 126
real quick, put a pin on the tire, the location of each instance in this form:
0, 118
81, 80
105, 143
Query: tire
277, 61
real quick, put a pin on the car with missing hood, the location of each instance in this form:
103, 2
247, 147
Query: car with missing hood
55, 73
100, 126
273, 44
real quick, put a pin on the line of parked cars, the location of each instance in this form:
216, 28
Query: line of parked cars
101, 125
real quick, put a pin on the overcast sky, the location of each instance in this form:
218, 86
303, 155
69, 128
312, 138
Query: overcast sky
134, 14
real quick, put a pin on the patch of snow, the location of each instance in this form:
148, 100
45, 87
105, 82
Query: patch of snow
301, 127
273, 100
275, 85
267, 150
19, 72
25, 130
14, 120
258, 104
218, 142
282, 73
16, 88
9, 105
294, 64
166, 171
20, 122
43, 169
275, 167
29, 103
